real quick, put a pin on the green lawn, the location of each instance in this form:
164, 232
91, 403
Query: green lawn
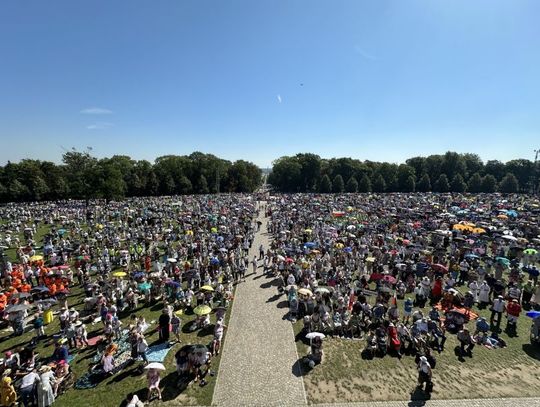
345, 376
113, 390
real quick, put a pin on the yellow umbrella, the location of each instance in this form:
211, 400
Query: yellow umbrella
305, 291
459, 227
478, 231
207, 288
315, 251
202, 310
370, 259
340, 245
189, 232
119, 274
179, 312
502, 216
308, 231
36, 258
213, 230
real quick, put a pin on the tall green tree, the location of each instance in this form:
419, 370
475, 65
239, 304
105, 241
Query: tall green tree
509, 184
326, 185
379, 185
424, 185
442, 184
475, 183
352, 185
489, 184
365, 183
338, 185
458, 184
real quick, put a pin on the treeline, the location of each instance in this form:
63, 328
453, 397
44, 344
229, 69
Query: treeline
451, 172
82, 176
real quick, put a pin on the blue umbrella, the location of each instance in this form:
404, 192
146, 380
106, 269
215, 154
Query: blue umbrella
174, 283
61, 231
347, 250
214, 260
512, 213
533, 314
310, 245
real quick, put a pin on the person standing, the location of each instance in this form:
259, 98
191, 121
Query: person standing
28, 388
497, 310
513, 309
45, 392
164, 325
425, 374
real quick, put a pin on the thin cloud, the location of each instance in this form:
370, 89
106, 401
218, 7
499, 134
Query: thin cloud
99, 126
96, 110
365, 54
279, 98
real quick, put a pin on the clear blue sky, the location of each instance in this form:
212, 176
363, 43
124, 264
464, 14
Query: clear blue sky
378, 80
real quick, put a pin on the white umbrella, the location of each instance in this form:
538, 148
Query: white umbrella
313, 335
155, 365
508, 237
171, 260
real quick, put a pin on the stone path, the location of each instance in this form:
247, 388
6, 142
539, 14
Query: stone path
522, 402
259, 350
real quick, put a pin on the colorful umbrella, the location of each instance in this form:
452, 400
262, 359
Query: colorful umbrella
207, 288
202, 310
305, 291
119, 274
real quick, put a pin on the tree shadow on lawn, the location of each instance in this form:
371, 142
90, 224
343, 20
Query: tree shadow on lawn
532, 350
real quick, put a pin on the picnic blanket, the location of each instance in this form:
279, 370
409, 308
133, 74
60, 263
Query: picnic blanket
157, 353
472, 315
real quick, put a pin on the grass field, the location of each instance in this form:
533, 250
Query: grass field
345, 376
113, 390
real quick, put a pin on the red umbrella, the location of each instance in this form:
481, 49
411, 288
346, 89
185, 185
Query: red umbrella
439, 267
289, 260
406, 242
376, 276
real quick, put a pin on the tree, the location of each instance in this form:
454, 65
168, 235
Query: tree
202, 185
379, 185
352, 185
475, 183
509, 184
453, 164
326, 185
424, 185
442, 184
458, 184
338, 186
495, 168
365, 184
489, 184
410, 184
17, 191
404, 172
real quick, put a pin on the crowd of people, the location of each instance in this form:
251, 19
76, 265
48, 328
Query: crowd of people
181, 255
403, 272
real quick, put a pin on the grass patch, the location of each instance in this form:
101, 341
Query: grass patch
345, 376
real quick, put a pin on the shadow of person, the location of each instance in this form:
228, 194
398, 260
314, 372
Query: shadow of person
299, 368
418, 398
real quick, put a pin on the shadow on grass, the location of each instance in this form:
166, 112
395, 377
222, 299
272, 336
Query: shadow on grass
532, 350
299, 369
418, 398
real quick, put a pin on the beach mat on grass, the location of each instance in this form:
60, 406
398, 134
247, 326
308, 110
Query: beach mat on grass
157, 353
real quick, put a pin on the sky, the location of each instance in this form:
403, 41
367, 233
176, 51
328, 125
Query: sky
374, 80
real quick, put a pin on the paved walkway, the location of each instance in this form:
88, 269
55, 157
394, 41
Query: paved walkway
522, 402
259, 350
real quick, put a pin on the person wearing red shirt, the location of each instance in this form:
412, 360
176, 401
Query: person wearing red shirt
513, 309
